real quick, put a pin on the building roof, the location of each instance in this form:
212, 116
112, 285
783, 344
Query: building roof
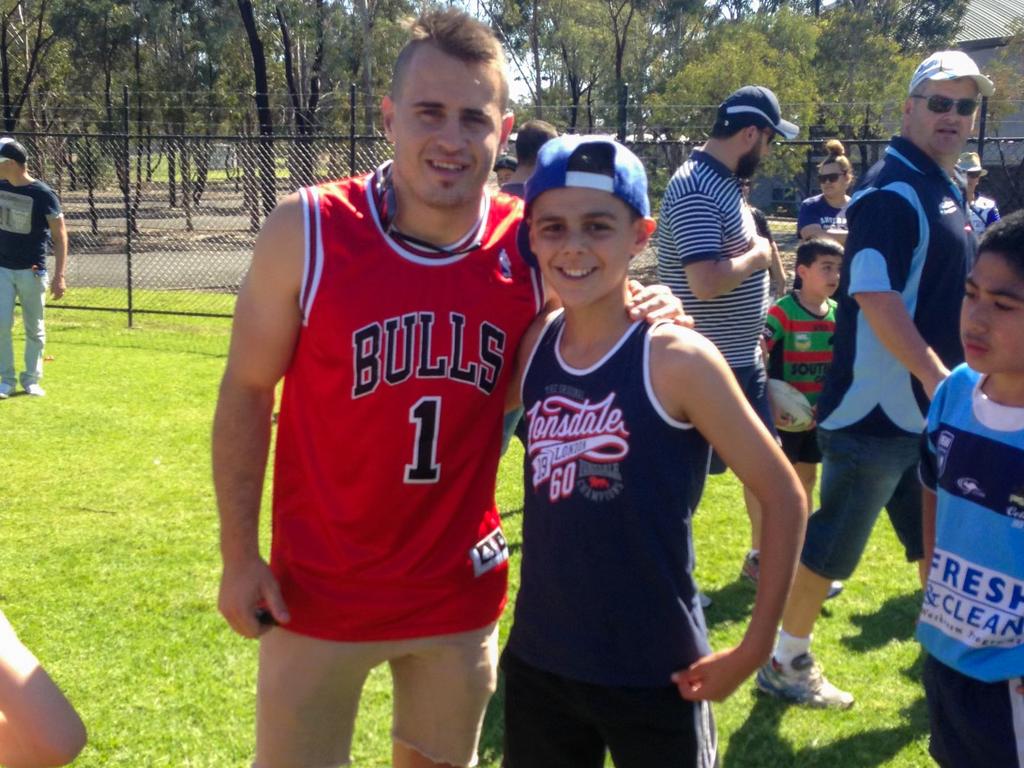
989, 20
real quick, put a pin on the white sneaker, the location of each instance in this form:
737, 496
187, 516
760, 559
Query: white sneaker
705, 601
834, 590
35, 390
802, 683
6, 390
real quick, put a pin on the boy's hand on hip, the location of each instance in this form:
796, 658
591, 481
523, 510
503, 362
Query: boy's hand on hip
715, 676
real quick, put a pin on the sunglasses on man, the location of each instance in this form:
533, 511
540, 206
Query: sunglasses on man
830, 177
940, 105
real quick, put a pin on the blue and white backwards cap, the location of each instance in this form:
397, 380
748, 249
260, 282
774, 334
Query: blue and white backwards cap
587, 162
590, 162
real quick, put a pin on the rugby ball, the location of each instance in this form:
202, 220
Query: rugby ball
792, 411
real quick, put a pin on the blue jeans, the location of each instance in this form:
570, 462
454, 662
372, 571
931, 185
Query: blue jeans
860, 474
29, 287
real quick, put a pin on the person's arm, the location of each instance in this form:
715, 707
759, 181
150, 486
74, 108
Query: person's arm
691, 222
777, 271
714, 404
514, 394
928, 475
38, 725
894, 327
816, 230
266, 325
711, 278
928, 505
59, 235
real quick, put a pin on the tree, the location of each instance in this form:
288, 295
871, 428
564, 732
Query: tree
862, 76
28, 23
523, 27
261, 94
915, 25
621, 14
304, 103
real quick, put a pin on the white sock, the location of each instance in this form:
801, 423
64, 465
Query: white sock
789, 647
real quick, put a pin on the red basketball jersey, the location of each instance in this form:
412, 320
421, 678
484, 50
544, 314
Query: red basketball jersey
384, 522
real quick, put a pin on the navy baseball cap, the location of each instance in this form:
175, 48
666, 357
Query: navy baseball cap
754, 105
12, 150
588, 162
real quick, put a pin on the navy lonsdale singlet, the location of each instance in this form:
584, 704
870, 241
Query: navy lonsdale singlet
607, 592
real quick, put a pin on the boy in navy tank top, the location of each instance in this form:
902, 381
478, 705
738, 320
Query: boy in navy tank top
609, 651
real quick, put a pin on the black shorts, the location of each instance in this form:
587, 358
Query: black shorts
972, 722
554, 722
801, 447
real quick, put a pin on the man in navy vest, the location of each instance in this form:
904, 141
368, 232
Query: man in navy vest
897, 336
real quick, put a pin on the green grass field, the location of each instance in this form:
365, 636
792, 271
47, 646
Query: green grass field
109, 569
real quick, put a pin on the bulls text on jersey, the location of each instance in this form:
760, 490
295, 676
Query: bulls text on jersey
407, 346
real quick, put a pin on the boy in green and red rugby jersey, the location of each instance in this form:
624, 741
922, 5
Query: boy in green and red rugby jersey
798, 336
798, 339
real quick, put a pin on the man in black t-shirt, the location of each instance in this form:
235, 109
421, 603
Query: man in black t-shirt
30, 219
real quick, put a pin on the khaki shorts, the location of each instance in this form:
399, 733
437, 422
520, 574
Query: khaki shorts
308, 694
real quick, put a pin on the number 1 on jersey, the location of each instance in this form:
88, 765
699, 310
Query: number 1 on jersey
425, 414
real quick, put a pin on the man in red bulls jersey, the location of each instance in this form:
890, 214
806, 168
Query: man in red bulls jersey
391, 304
609, 649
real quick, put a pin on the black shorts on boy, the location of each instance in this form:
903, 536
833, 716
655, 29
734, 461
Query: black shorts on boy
801, 447
554, 722
973, 723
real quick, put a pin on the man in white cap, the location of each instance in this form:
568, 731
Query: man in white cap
710, 255
983, 210
896, 338
30, 219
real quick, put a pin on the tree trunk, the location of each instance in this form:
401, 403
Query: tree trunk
268, 178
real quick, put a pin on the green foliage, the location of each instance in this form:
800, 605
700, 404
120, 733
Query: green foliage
1006, 72
862, 75
188, 64
917, 26
774, 51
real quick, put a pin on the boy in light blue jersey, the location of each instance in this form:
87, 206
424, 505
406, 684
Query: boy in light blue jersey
972, 468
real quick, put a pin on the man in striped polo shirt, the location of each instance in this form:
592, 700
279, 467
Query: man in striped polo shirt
709, 252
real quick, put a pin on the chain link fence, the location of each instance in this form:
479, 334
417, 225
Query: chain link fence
165, 224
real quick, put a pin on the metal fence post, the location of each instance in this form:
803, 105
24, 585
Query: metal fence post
352, 129
623, 115
981, 128
126, 191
